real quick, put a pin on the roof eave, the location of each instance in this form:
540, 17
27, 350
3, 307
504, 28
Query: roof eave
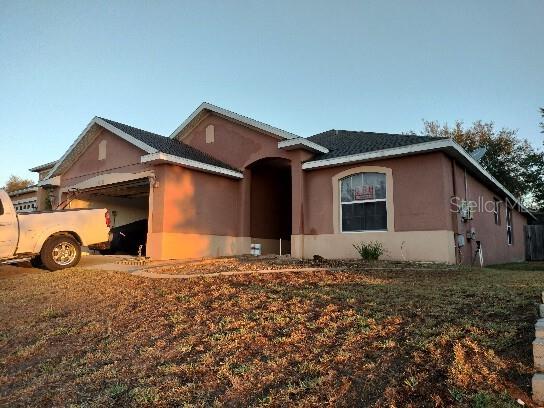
29, 189
302, 143
158, 158
43, 167
447, 145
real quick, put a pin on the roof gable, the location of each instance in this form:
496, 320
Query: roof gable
205, 108
149, 142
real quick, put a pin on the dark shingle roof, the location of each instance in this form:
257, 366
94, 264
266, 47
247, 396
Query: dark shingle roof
169, 146
346, 142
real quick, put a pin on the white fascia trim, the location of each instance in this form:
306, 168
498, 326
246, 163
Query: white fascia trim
411, 149
303, 144
25, 190
396, 151
96, 120
42, 167
107, 180
235, 116
193, 164
53, 181
72, 146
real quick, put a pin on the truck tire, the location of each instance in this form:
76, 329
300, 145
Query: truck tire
60, 252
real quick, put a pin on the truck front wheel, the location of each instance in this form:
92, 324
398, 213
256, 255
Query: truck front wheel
60, 252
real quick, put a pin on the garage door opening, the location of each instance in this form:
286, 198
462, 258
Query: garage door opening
270, 216
128, 204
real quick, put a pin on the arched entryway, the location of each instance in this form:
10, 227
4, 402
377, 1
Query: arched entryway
270, 209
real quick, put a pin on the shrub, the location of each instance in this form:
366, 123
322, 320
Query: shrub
370, 251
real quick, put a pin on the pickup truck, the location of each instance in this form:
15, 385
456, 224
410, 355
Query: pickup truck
51, 238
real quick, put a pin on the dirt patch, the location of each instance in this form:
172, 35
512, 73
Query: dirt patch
342, 338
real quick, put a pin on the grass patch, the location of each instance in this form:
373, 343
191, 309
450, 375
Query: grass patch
521, 266
353, 337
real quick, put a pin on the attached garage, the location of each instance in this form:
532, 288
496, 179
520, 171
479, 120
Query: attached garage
128, 204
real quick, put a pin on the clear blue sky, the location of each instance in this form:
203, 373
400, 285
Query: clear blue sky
304, 66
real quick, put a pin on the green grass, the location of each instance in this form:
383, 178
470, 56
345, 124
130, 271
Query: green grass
521, 266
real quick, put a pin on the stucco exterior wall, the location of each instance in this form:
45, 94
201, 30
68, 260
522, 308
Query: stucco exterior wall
195, 214
192, 202
419, 224
421, 200
422, 189
431, 246
237, 145
492, 236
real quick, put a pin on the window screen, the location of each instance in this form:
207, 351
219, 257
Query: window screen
363, 202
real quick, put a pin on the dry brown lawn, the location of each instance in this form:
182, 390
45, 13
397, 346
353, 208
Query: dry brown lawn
341, 338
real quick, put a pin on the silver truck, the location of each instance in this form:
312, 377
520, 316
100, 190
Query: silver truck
50, 238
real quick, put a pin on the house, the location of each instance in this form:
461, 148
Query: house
222, 181
25, 200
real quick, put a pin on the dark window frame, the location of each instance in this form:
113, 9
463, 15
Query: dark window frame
509, 228
497, 211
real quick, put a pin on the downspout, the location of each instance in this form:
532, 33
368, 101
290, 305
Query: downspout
466, 185
454, 215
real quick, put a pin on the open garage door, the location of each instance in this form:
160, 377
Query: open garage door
128, 203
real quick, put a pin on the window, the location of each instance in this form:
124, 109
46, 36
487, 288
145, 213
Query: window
497, 211
509, 232
363, 202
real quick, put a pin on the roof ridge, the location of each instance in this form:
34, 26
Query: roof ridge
336, 131
113, 122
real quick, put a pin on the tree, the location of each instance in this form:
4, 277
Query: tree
16, 183
514, 162
542, 123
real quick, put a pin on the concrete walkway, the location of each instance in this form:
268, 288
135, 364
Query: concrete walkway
142, 272
116, 264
